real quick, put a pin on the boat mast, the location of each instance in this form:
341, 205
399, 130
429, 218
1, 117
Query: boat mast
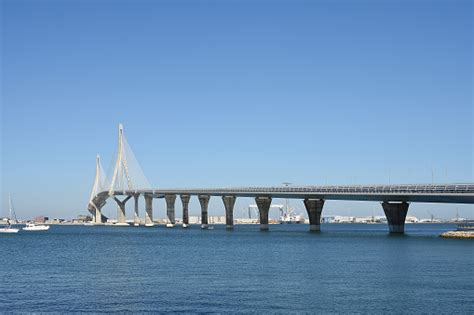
287, 200
10, 206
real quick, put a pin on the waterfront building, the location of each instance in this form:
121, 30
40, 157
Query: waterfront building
194, 219
216, 219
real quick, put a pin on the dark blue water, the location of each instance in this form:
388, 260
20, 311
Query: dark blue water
343, 269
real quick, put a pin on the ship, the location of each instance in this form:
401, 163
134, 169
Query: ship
287, 215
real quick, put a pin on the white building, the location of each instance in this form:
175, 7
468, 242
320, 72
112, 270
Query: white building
343, 219
194, 219
216, 219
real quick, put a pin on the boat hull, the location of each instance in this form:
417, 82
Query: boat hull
36, 228
5, 230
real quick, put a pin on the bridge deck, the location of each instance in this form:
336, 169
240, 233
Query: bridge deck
449, 193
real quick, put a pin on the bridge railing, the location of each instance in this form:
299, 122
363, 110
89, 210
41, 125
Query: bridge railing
326, 190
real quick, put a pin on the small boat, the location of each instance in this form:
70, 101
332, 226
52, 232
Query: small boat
150, 224
185, 225
88, 224
34, 227
170, 225
136, 224
8, 227
121, 224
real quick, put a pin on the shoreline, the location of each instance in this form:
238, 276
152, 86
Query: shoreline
458, 234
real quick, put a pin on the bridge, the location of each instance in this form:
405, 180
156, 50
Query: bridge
128, 181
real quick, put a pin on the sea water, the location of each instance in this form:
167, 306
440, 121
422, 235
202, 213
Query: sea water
343, 269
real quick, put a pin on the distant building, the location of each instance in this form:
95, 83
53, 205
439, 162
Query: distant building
216, 219
194, 219
84, 218
343, 219
41, 219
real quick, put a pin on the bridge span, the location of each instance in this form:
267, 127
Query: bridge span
395, 199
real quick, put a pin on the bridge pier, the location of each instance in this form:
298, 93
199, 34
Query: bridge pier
396, 213
136, 217
97, 216
170, 200
149, 210
121, 209
204, 201
263, 204
185, 202
229, 202
314, 207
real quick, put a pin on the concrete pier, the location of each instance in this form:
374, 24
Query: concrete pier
136, 216
121, 209
170, 199
204, 201
314, 207
263, 204
229, 202
396, 213
98, 217
185, 202
148, 210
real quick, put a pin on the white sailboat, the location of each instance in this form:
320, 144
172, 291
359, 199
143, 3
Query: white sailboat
8, 228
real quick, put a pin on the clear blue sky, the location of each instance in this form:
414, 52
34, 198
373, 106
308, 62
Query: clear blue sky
229, 93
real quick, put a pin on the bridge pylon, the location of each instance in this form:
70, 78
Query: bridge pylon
97, 187
126, 178
121, 171
127, 173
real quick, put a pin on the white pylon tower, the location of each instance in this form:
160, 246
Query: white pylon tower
98, 182
121, 171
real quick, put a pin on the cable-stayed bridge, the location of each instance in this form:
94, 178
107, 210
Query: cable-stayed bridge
127, 180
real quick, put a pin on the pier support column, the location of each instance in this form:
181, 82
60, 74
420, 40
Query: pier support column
396, 212
136, 217
263, 204
229, 202
170, 199
204, 201
97, 216
185, 202
314, 207
121, 209
149, 210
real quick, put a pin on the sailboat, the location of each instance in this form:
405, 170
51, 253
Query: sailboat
8, 228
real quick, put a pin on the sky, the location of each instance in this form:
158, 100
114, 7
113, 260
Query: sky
235, 93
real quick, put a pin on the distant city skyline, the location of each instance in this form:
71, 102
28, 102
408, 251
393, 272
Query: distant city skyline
235, 94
